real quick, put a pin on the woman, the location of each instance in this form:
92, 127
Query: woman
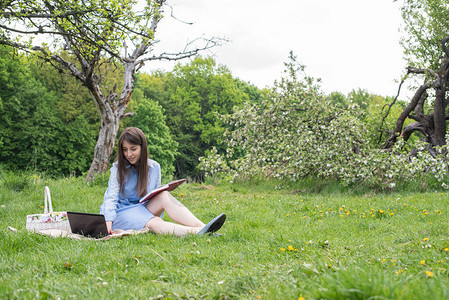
133, 175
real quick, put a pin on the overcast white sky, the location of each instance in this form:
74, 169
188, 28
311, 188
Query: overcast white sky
349, 44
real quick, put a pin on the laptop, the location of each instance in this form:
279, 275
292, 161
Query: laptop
91, 225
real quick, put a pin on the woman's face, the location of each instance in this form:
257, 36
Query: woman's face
131, 152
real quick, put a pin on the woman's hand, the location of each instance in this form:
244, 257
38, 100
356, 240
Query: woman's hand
109, 226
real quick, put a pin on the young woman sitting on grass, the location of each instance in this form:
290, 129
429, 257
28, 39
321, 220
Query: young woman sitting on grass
133, 175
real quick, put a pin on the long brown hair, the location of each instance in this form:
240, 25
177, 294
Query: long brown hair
134, 136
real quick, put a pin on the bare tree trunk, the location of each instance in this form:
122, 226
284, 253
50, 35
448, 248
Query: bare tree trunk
440, 117
112, 111
103, 149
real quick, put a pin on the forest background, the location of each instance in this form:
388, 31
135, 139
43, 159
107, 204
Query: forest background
49, 123
201, 121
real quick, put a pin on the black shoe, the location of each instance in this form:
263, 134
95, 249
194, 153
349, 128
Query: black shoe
213, 225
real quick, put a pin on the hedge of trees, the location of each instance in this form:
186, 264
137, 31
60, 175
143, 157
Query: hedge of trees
49, 123
201, 121
200, 113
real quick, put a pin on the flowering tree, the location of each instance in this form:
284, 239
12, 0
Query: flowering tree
295, 132
97, 34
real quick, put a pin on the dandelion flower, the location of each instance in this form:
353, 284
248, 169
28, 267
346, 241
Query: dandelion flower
425, 240
291, 248
429, 274
423, 262
446, 249
282, 249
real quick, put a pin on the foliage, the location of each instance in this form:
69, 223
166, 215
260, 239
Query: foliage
149, 117
295, 132
74, 100
374, 114
426, 25
277, 244
193, 95
33, 133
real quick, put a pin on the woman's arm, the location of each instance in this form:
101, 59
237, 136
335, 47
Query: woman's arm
111, 197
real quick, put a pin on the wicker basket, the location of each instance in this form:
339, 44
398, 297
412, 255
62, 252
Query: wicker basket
49, 219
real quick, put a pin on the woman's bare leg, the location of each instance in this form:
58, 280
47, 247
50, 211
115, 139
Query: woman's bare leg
164, 201
159, 226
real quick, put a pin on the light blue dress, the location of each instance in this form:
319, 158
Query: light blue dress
124, 210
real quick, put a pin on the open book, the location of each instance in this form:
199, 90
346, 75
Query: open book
166, 187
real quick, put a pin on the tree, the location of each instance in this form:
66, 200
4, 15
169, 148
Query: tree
99, 35
295, 132
426, 50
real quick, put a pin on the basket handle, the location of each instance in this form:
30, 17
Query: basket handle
48, 199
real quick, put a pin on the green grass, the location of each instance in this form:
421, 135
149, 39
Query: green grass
278, 243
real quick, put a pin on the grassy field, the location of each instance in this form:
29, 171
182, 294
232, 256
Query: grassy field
278, 243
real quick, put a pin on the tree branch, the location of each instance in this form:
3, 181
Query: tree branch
43, 15
421, 92
210, 43
422, 71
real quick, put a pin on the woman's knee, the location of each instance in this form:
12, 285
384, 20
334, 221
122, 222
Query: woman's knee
154, 224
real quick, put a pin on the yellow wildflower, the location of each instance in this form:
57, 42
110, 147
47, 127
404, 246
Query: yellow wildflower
429, 274
425, 240
282, 249
446, 249
290, 248
423, 262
